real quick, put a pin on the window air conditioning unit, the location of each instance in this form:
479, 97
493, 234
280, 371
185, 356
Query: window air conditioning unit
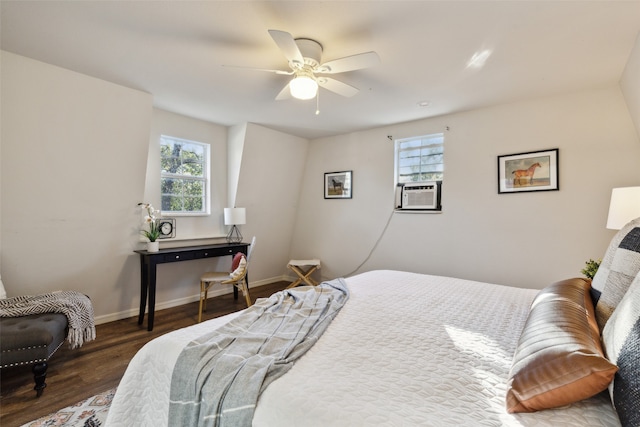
420, 195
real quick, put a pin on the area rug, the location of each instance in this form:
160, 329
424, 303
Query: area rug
91, 412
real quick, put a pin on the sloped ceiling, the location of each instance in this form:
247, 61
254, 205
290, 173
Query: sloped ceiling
176, 50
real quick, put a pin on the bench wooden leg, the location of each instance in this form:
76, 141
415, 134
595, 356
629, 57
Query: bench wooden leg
40, 375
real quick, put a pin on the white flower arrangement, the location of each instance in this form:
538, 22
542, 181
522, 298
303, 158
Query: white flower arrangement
152, 220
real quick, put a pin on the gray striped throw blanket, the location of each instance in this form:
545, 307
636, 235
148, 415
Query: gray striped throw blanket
75, 305
218, 378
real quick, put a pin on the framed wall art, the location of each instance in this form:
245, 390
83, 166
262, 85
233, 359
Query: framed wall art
338, 185
533, 171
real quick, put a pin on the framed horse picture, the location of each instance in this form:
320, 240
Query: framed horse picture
337, 185
533, 171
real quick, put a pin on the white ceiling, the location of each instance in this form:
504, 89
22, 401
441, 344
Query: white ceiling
176, 50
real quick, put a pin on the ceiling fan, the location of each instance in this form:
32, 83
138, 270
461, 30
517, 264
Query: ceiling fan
304, 56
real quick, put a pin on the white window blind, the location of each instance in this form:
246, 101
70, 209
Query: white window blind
420, 159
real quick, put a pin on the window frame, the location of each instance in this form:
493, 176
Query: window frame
205, 178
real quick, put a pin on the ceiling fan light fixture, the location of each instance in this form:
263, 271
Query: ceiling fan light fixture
303, 87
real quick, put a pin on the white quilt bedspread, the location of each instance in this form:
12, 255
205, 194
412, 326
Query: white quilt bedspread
406, 350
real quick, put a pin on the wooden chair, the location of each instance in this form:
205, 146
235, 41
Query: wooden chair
237, 278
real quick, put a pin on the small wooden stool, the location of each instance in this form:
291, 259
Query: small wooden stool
304, 275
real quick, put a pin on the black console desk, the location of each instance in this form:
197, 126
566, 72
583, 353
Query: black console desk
149, 261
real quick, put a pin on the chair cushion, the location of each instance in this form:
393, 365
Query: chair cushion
304, 262
215, 276
30, 339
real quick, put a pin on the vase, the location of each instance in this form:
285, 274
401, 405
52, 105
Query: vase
153, 246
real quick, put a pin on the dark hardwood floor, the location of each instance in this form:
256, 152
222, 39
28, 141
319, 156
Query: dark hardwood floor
98, 366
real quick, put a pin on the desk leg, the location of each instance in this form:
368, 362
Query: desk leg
144, 285
152, 294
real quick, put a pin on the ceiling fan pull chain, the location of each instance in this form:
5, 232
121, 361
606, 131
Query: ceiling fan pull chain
317, 103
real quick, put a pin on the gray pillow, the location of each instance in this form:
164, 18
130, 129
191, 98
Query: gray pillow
621, 340
619, 267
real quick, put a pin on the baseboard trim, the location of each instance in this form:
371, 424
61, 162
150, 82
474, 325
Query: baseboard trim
133, 312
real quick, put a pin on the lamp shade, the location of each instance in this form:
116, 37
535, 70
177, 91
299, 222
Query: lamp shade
235, 216
624, 207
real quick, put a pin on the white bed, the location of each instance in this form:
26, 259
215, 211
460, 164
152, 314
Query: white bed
406, 350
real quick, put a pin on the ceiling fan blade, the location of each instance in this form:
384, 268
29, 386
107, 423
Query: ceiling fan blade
285, 93
287, 73
337, 86
287, 45
350, 63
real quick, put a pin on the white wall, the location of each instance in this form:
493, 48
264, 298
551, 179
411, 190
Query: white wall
524, 239
264, 175
73, 156
179, 126
630, 84
64, 225
270, 182
79, 153
178, 283
235, 148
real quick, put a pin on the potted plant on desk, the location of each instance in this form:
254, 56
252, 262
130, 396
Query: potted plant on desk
154, 230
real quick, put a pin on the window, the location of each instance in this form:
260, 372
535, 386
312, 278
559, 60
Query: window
420, 159
184, 176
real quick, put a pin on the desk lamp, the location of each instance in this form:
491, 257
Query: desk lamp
234, 217
624, 207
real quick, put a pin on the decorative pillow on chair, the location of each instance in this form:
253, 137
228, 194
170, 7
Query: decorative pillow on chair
239, 270
236, 260
621, 338
619, 266
558, 359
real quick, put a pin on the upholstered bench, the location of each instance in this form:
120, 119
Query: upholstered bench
30, 340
